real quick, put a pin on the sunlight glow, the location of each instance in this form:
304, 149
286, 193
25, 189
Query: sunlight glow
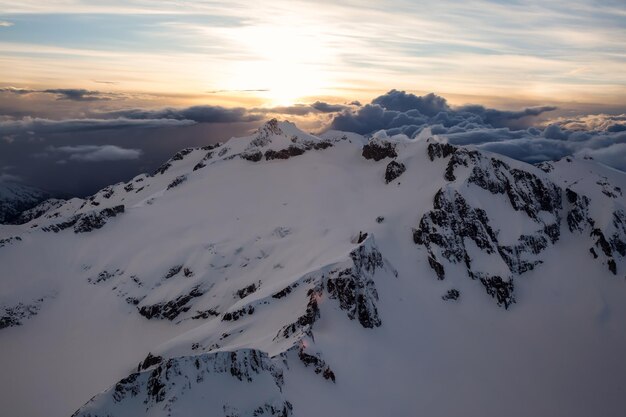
285, 59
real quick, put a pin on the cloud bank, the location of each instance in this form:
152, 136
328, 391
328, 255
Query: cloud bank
49, 150
95, 153
517, 134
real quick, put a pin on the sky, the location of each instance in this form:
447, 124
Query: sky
138, 80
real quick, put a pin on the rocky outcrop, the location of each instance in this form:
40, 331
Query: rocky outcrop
170, 309
9, 241
162, 384
354, 287
15, 315
451, 295
319, 365
95, 220
378, 149
394, 170
177, 181
252, 155
86, 222
38, 211
609, 242
284, 153
446, 229
578, 213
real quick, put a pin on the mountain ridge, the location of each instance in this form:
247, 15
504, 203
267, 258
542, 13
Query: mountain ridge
269, 253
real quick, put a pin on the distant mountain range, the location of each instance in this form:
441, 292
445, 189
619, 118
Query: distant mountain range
16, 197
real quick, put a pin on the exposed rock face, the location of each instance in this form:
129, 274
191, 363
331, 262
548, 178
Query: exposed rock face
607, 243
453, 222
578, 215
246, 291
253, 155
284, 153
10, 240
86, 222
15, 315
15, 198
351, 284
354, 287
177, 181
171, 309
237, 314
452, 294
162, 384
38, 211
608, 189
377, 149
317, 363
104, 276
92, 221
393, 171
444, 230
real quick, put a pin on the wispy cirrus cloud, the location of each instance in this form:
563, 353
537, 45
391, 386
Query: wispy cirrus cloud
524, 48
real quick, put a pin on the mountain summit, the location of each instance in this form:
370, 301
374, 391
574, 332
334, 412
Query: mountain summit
286, 274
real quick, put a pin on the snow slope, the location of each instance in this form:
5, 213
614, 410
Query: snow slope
286, 274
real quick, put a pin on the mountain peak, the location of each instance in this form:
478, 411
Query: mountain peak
249, 282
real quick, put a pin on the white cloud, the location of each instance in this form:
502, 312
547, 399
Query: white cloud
98, 153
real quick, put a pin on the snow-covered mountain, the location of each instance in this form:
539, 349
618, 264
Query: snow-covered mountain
284, 274
16, 197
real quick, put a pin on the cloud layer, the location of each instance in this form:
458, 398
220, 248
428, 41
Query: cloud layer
95, 153
49, 150
517, 134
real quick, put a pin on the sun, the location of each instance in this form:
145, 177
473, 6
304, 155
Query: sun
287, 61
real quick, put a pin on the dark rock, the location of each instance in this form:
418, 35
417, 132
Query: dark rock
254, 156
437, 267
177, 181
244, 292
284, 153
354, 288
88, 222
205, 314
162, 169
393, 171
180, 155
10, 241
149, 361
440, 150
104, 276
452, 294
173, 271
237, 314
378, 150
170, 309
15, 315
578, 215
501, 290
317, 363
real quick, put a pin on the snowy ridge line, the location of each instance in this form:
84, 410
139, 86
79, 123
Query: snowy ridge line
161, 382
339, 266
